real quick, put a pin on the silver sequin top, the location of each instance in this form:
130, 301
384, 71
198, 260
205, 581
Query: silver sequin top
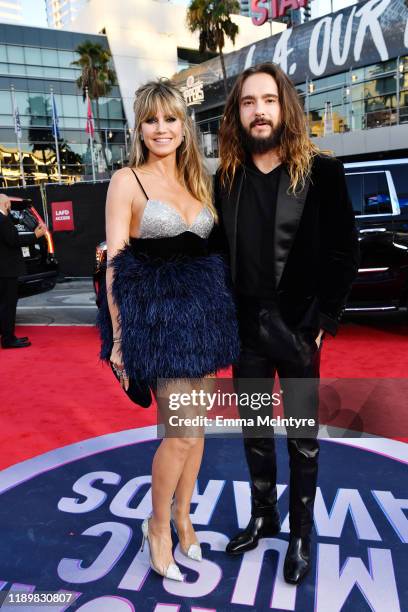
160, 220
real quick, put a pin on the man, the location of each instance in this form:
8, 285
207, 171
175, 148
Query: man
290, 232
11, 267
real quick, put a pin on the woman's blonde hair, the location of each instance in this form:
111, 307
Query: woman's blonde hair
164, 95
296, 149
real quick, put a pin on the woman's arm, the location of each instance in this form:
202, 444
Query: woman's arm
118, 218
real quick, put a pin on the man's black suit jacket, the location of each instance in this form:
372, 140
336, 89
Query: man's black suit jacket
316, 250
11, 257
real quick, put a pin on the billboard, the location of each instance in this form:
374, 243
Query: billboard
363, 34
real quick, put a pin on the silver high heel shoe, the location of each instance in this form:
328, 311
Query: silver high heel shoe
194, 550
172, 571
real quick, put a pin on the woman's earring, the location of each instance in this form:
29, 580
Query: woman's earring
141, 137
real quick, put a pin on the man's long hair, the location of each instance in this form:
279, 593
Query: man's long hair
296, 148
163, 94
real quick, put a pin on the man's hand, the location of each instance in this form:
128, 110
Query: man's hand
40, 230
319, 338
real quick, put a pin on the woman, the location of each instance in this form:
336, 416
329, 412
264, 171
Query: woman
172, 316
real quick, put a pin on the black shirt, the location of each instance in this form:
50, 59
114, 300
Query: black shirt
255, 232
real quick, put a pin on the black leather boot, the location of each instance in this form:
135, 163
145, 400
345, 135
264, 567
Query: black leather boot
258, 527
297, 560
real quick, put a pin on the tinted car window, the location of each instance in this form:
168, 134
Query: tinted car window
355, 189
24, 220
399, 175
369, 193
376, 194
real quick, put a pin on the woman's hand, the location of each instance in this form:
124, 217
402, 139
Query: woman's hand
117, 363
319, 338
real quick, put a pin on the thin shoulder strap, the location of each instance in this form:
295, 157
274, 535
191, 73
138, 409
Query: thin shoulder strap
140, 184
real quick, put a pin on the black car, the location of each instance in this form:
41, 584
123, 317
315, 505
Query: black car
40, 262
379, 193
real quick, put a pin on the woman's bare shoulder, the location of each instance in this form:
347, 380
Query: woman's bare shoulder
119, 191
124, 188
123, 176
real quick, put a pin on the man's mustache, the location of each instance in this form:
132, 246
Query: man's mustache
260, 122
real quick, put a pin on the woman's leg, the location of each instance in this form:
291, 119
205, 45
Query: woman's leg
188, 478
168, 467
183, 495
171, 464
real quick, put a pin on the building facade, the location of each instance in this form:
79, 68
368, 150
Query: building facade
245, 8
11, 11
33, 61
350, 69
60, 13
149, 39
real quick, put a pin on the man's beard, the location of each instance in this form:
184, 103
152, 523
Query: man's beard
257, 145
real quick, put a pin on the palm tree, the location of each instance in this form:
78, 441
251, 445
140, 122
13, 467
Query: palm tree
97, 76
212, 19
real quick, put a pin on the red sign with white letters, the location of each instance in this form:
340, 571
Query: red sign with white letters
273, 9
62, 216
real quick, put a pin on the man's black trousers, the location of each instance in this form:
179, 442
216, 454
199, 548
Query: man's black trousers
8, 305
270, 346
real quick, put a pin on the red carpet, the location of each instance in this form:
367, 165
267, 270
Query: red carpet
56, 392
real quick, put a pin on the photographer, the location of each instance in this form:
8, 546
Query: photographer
11, 267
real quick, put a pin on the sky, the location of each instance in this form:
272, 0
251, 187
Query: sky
34, 13
34, 10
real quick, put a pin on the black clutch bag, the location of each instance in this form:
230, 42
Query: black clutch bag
139, 393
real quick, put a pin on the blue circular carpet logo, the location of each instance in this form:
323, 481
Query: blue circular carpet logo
70, 524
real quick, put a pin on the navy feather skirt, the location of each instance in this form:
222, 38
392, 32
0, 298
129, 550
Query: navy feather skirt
176, 310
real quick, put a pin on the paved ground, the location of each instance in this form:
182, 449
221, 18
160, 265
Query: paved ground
69, 303
73, 303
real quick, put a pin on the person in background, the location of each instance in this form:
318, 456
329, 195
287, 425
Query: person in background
11, 267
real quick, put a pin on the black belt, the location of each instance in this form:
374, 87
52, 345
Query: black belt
186, 244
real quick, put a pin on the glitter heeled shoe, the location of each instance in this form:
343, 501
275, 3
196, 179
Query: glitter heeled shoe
172, 571
194, 550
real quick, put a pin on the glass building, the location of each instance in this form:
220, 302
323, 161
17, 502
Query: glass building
11, 10
60, 13
345, 94
34, 61
245, 7
357, 99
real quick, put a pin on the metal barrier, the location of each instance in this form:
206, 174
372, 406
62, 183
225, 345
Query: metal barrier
75, 250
